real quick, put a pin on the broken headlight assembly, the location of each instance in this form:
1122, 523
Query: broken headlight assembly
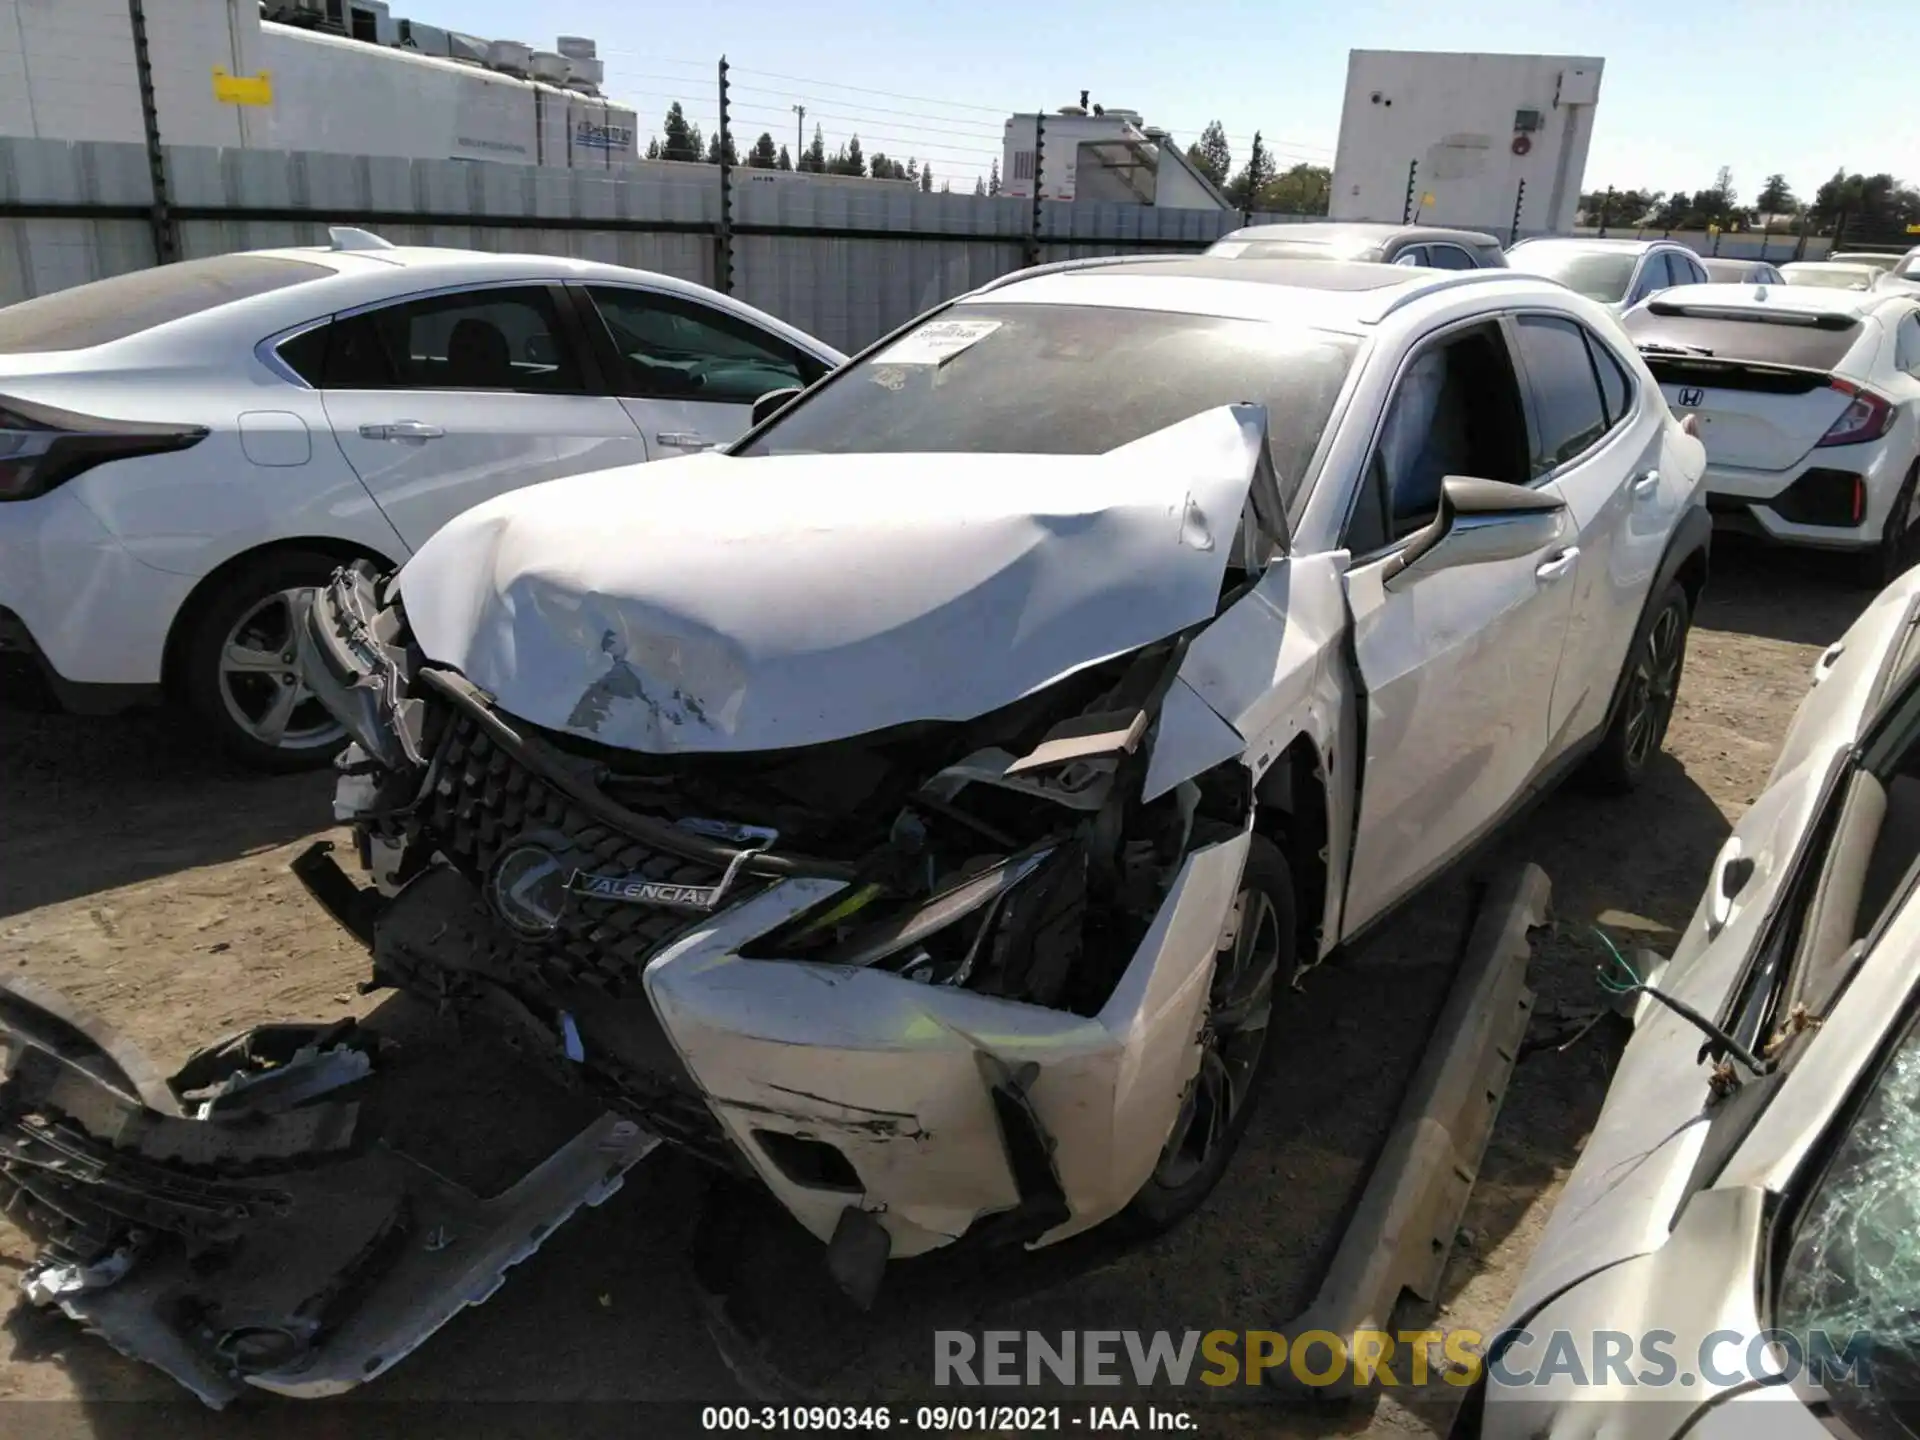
1009, 927
354, 657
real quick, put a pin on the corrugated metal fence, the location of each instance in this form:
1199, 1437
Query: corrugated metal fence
846, 263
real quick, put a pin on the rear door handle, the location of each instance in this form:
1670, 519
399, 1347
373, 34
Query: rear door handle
402, 430
1559, 565
1646, 484
682, 440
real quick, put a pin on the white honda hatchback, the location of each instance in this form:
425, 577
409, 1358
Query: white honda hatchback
183, 449
1808, 401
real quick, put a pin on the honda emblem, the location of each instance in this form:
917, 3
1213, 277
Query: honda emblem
1691, 397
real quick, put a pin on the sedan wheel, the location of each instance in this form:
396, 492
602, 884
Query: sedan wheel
238, 668
261, 684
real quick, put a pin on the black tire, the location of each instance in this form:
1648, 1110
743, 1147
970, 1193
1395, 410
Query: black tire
1648, 687
1894, 555
248, 608
1187, 1171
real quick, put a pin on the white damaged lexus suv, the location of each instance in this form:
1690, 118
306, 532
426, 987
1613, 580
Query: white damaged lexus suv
919, 807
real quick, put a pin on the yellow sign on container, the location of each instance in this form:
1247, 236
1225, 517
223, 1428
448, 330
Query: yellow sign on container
242, 89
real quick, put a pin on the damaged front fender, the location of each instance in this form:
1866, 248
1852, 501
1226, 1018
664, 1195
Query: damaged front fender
897, 1079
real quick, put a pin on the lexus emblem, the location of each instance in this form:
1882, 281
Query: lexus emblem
1691, 396
529, 889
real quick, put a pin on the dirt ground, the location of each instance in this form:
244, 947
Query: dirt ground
149, 881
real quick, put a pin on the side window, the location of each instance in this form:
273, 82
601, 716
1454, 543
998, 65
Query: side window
1616, 386
506, 339
1906, 346
1455, 410
306, 354
676, 349
1449, 257
1567, 408
1652, 278
1412, 255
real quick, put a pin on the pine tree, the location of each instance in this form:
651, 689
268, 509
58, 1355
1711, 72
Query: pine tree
993, 179
699, 142
913, 170
1211, 156
763, 155
786, 160
653, 148
926, 179
815, 159
980, 186
856, 163
683, 140
713, 151
1250, 182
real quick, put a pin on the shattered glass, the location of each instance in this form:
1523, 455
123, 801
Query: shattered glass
1854, 1266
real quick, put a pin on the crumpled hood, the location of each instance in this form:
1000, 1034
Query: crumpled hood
723, 604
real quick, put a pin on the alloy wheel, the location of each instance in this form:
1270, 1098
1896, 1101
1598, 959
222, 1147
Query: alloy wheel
1656, 685
1240, 1002
261, 684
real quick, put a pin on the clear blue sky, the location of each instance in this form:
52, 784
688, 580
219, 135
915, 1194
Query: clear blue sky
1690, 85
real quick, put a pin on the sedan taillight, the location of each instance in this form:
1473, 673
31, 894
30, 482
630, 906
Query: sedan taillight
1867, 418
41, 447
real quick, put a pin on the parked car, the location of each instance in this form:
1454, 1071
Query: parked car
1616, 273
1433, 246
1808, 401
1748, 1195
1877, 259
184, 449
919, 807
1739, 272
1830, 276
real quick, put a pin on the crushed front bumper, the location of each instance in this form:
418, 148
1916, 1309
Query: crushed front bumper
239, 1224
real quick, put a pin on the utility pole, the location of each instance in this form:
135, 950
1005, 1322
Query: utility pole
723, 269
799, 134
166, 239
1406, 212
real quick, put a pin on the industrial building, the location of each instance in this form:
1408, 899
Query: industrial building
1487, 141
344, 76
1098, 153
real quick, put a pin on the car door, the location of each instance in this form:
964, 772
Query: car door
688, 373
444, 400
1597, 431
1457, 666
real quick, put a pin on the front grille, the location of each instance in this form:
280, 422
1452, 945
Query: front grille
483, 800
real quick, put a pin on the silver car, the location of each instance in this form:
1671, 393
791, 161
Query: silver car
1614, 272
1743, 1227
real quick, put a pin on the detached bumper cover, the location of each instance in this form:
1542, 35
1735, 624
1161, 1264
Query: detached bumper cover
231, 1226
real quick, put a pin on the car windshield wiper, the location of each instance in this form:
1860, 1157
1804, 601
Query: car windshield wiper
1664, 347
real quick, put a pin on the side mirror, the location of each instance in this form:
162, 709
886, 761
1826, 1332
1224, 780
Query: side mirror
773, 402
1480, 521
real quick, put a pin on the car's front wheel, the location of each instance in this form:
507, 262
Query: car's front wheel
239, 671
1255, 965
1648, 691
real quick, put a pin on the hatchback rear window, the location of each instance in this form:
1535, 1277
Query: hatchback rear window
125, 305
1776, 337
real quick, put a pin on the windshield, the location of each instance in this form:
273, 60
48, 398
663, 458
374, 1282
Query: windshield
1838, 277
1068, 380
1600, 275
1297, 249
1853, 1268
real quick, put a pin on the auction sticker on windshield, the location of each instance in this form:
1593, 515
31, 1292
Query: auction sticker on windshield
937, 343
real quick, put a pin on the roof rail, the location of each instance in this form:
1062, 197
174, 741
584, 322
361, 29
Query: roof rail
1454, 280
347, 237
1085, 262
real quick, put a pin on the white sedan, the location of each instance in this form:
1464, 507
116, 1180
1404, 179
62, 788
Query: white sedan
1808, 401
183, 449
